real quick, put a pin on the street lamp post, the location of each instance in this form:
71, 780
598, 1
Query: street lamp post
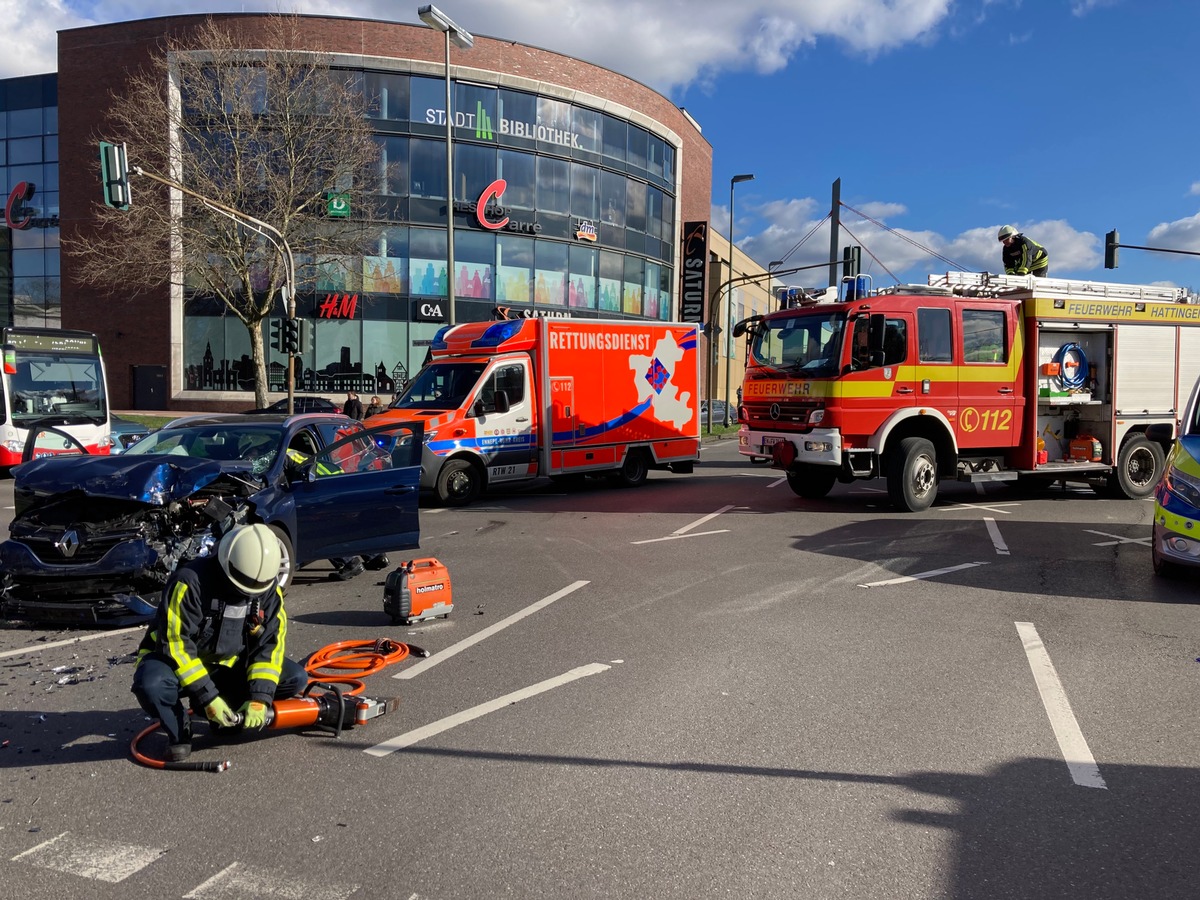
736, 179
438, 20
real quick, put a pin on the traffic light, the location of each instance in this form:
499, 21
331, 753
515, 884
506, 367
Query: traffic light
114, 175
277, 335
291, 337
1112, 241
851, 261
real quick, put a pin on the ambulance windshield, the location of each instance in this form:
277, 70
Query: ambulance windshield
444, 385
808, 344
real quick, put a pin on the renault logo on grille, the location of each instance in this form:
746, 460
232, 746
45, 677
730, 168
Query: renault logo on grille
68, 543
775, 411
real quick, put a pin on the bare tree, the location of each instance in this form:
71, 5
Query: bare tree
271, 133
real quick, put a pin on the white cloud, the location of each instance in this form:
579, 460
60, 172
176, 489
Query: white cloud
1182, 234
1083, 7
667, 44
903, 254
1195, 188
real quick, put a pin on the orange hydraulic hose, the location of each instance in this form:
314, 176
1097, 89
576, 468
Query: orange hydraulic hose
354, 660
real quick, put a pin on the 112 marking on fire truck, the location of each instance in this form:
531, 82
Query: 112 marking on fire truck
973, 376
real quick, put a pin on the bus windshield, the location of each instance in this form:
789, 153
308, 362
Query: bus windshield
59, 387
809, 344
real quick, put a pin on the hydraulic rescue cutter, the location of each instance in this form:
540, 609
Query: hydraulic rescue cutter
330, 702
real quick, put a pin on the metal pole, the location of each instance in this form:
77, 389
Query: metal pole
835, 225
728, 304
449, 194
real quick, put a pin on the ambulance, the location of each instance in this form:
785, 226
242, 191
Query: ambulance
973, 377
517, 399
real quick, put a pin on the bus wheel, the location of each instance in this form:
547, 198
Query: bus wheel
812, 482
912, 475
1140, 465
459, 483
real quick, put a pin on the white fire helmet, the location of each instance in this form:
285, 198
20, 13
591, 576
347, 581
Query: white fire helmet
249, 556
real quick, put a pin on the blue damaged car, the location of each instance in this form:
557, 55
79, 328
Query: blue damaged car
94, 538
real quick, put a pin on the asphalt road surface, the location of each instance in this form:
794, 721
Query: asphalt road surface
703, 687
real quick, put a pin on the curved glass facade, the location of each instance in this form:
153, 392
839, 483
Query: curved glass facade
559, 209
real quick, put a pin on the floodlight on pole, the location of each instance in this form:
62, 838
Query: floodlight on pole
439, 21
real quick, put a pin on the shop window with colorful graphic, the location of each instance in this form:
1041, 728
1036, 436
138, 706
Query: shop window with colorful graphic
514, 270
550, 276
612, 270
631, 289
427, 262
584, 269
474, 256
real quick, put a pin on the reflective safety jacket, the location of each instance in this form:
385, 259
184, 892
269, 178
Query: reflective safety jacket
204, 621
1025, 257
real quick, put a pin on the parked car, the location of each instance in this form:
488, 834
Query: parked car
719, 409
94, 538
125, 432
300, 404
1175, 535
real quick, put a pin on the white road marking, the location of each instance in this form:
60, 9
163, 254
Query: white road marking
778, 482
1144, 541
997, 540
702, 520
958, 507
244, 884
419, 734
474, 639
1079, 759
99, 860
920, 575
677, 536
75, 640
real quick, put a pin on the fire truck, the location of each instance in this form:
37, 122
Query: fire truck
973, 376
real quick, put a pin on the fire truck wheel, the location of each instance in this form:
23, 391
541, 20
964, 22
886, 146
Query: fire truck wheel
812, 482
912, 475
635, 470
459, 483
287, 557
1140, 465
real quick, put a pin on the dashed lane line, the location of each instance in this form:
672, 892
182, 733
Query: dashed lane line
467, 715
105, 861
997, 540
474, 639
237, 883
1079, 759
922, 575
75, 640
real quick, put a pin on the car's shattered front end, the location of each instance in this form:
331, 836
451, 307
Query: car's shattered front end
94, 539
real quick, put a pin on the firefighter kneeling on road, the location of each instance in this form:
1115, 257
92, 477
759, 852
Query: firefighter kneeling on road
218, 638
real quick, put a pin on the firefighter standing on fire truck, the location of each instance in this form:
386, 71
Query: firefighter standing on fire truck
1023, 256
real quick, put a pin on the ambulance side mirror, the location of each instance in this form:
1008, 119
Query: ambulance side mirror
501, 401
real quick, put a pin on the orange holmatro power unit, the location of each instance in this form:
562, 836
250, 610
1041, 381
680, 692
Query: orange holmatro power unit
516, 399
417, 590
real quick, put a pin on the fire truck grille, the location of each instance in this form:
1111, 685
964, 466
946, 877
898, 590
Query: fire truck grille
788, 411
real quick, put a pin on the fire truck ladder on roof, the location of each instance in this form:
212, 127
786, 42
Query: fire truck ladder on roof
984, 283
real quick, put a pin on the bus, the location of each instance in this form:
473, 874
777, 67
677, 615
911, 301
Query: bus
52, 377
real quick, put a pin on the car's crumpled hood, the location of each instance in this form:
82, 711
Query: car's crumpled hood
145, 479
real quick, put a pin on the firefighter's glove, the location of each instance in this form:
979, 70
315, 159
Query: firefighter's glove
254, 714
219, 713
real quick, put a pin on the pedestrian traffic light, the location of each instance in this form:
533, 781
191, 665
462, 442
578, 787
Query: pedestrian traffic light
291, 336
1112, 241
277, 335
114, 175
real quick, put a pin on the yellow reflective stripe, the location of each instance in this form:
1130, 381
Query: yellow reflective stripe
264, 670
187, 668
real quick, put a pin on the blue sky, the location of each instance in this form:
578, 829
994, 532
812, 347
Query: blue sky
943, 118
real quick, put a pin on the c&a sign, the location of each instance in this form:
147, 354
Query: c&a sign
18, 214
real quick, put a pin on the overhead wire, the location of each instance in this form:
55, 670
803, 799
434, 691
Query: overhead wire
846, 228
905, 238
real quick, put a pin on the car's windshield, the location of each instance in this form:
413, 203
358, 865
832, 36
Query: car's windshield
440, 386
255, 444
810, 344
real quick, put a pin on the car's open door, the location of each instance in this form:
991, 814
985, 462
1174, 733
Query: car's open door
360, 495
